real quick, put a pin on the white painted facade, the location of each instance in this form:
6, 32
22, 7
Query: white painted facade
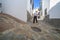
54, 11
53, 8
45, 5
16, 8
53, 3
29, 6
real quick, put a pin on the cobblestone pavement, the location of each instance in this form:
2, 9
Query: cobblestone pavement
11, 29
47, 31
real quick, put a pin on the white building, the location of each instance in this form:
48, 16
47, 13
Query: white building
30, 5
45, 6
52, 7
54, 11
17, 8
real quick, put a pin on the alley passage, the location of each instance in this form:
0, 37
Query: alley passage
12, 29
45, 30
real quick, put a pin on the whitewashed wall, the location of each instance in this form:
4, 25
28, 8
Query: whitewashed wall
16, 8
54, 10
29, 7
53, 3
45, 4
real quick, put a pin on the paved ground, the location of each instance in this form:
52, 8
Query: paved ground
47, 31
11, 29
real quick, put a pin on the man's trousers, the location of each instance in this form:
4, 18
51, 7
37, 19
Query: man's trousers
35, 19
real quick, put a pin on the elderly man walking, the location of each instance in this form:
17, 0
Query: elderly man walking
35, 17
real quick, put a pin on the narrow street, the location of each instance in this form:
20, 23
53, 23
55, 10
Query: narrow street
16, 19
45, 30
12, 29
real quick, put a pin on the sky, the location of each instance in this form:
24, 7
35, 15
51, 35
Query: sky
36, 4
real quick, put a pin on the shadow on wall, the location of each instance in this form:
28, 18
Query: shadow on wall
54, 16
29, 17
54, 12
